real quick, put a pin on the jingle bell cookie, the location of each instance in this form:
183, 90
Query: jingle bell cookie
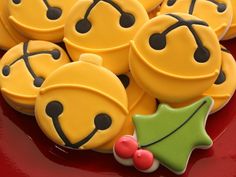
167, 137
8, 34
104, 28
139, 102
40, 19
231, 33
224, 87
23, 70
217, 13
150, 4
154, 12
81, 105
177, 60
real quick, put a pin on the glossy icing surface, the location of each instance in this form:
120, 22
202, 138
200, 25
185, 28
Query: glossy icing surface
217, 13
25, 151
40, 19
156, 54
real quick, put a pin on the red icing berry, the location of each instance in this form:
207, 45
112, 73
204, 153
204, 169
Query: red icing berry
125, 147
143, 159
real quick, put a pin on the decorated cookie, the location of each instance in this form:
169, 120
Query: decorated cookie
168, 136
217, 13
104, 27
154, 12
23, 70
40, 19
82, 105
231, 33
139, 102
169, 71
224, 87
8, 34
150, 4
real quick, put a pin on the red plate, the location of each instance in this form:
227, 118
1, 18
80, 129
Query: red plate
25, 151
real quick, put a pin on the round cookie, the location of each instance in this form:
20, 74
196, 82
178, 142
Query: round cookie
139, 102
154, 12
149, 5
86, 31
217, 13
177, 60
224, 87
8, 34
40, 19
82, 105
231, 33
23, 70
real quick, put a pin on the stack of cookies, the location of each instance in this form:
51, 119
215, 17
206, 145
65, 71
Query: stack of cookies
135, 78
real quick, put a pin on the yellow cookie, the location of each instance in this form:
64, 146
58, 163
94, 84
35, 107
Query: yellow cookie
104, 28
82, 105
40, 19
24, 68
231, 33
8, 34
224, 87
139, 102
177, 60
217, 13
154, 12
150, 4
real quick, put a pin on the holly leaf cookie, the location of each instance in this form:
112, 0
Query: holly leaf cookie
172, 134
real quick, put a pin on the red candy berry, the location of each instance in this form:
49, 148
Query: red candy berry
143, 159
125, 147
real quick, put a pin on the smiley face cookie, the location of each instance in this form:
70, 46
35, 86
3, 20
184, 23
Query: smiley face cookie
150, 4
139, 102
231, 33
82, 105
40, 19
217, 13
8, 34
23, 70
177, 60
104, 27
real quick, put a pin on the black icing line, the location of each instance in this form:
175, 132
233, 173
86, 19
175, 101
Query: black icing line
185, 122
95, 2
191, 7
60, 132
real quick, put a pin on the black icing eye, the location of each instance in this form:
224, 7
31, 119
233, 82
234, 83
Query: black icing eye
102, 121
221, 78
157, 41
56, 54
124, 80
16, 1
221, 7
83, 26
38, 81
54, 109
127, 20
54, 13
6, 70
202, 55
171, 2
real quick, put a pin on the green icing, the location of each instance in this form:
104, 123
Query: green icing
171, 134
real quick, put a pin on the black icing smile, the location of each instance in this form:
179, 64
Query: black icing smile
54, 109
38, 81
157, 41
84, 25
221, 7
